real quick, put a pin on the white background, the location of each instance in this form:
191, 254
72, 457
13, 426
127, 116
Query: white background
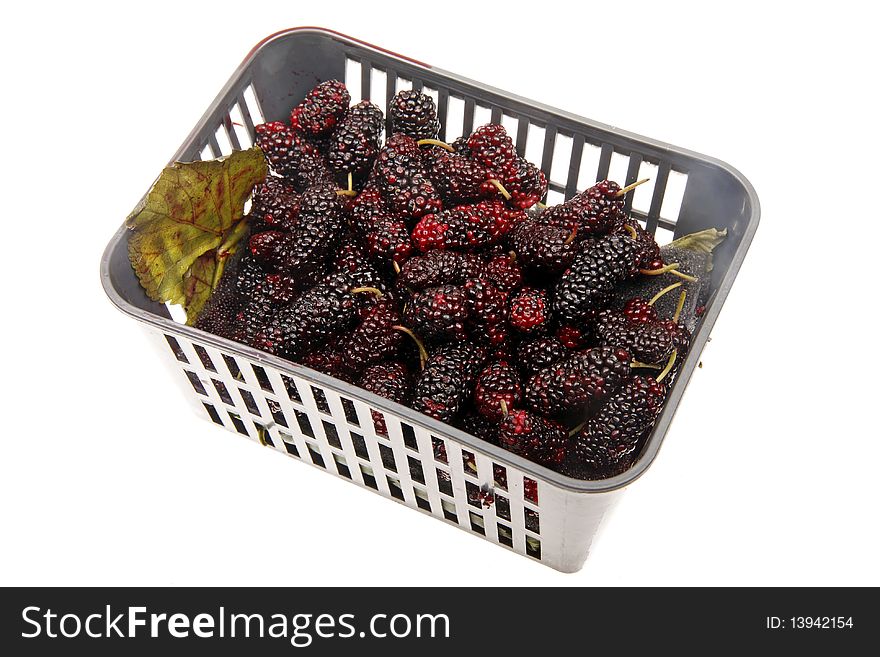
769, 472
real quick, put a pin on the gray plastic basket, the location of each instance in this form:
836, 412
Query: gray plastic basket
423, 463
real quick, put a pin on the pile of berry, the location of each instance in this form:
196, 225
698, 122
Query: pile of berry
430, 274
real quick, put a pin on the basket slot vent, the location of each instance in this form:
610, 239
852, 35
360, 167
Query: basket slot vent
632, 173
341, 465
641, 196
378, 89
234, 125
473, 493
353, 78
277, 413
387, 455
454, 118
207, 153
251, 110
331, 434
215, 147
532, 520
547, 148
212, 413
236, 421
444, 482
589, 166
673, 196
468, 118
617, 168
315, 454
304, 425
249, 401
232, 366
482, 115
289, 444
469, 462
262, 378
350, 411
477, 523
439, 448
359, 445
292, 391
443, 114
502, 507
394, 488
416, 473
604, 162
505, 535
320, 400
422, 499
207, 363
558, 170
499, 475
449, 510
530, 490
533, 547
405, 84
221, 139
196, 383
368, 477
409, 436
176, 350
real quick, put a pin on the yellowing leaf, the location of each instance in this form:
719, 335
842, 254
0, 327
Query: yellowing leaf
193, 209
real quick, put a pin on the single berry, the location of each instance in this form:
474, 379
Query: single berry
610, 440
577, 382
640, 310
447, 381
414, 114
534, 354
438, 313
274, 205
498, 390
572, 336
534, 437
389, 380
491, 146
542, 249
316, 316
594, 211
400, 174
487, 305
459, 179
298, 161
586, 286
479, 426
504, 272
526, 185
389, 239
439, 268
323, 107
465, 227
375, 339
530, 310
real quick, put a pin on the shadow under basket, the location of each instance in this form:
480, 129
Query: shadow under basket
422, 463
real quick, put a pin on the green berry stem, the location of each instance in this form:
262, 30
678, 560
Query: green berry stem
666, 289
669, 364
631, 187
501, 188
639, 365
663, 270
504, 410
679, 306
686, 277
371, 290
423, 353
632, 231
435, 142
577, 429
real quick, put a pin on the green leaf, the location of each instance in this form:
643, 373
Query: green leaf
188, 224
704, 241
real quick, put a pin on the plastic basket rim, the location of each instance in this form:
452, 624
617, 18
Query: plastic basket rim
440, 429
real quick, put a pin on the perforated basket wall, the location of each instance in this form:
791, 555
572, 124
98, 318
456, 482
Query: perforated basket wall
327, 423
